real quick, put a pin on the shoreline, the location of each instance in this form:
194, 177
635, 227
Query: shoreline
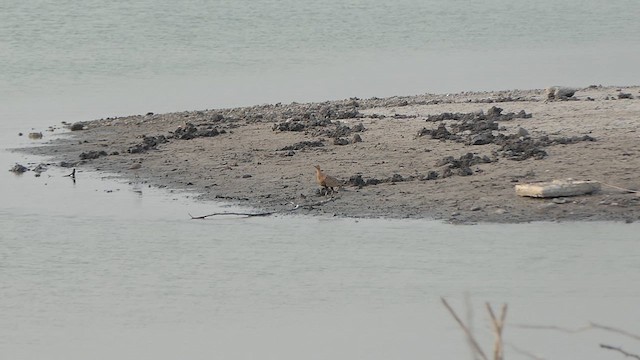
453, 157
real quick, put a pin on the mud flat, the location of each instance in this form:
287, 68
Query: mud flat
452, 157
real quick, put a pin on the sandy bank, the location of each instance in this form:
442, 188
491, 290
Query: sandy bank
453, 157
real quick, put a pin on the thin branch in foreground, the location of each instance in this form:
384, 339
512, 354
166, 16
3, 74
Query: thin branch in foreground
591, 326
618, 349
466, 330
498, 325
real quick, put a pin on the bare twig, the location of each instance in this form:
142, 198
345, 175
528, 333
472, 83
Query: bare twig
498, 325
591, 326
615, 330
618, 349
470, 337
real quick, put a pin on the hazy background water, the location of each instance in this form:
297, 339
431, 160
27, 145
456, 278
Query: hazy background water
107, 269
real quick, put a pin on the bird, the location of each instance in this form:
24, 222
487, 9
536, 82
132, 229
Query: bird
326, 181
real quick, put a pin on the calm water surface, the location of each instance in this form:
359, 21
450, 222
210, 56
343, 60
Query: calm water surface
107, 269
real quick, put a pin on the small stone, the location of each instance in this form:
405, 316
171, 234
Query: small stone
522, 132
246, 176
475, 208
18, 169
356, 138
500, 211
35, 135
559, 200
77, 127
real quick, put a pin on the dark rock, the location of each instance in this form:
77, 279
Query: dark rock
356, 138
432, 175
622, 95
40, 169
482, 139
246, 176
357, 180
340, 141
358, 128
77, 126
90, 155
148, 143
303, 145
373, 181
396, 178
18, 169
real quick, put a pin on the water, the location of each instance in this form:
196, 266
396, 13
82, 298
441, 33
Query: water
107, 269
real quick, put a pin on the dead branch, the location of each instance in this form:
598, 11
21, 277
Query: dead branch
498, 326
466, 330
618, 349
591, 326
268, 213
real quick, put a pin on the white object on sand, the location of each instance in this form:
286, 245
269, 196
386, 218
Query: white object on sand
557, 188
559, 92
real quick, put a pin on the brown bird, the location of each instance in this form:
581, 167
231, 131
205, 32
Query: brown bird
326, 181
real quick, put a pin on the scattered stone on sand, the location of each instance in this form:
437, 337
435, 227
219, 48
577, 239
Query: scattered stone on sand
93, 154
340, 141
19, 169
303, 145
356, 138
148, 143
190, 131
622, 95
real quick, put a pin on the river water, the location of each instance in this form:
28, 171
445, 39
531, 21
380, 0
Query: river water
108, 268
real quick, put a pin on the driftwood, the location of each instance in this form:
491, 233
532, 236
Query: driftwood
268, 213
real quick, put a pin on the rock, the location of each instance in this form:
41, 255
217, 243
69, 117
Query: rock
432, 175
482, 139
77, 126
35, 135
622, 95
522, 132
340, 141
559, 92
18, 169
246, 176
475, 208
500, 211
559, 200
357, 180
92, 155
356, 138
303, 145
358, 128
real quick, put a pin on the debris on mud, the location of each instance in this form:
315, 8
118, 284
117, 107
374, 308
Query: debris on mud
303, 145
478, 128
93, 154
148, 142
190, 131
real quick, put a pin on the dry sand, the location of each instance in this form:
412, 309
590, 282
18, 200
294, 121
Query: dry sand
236, 154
